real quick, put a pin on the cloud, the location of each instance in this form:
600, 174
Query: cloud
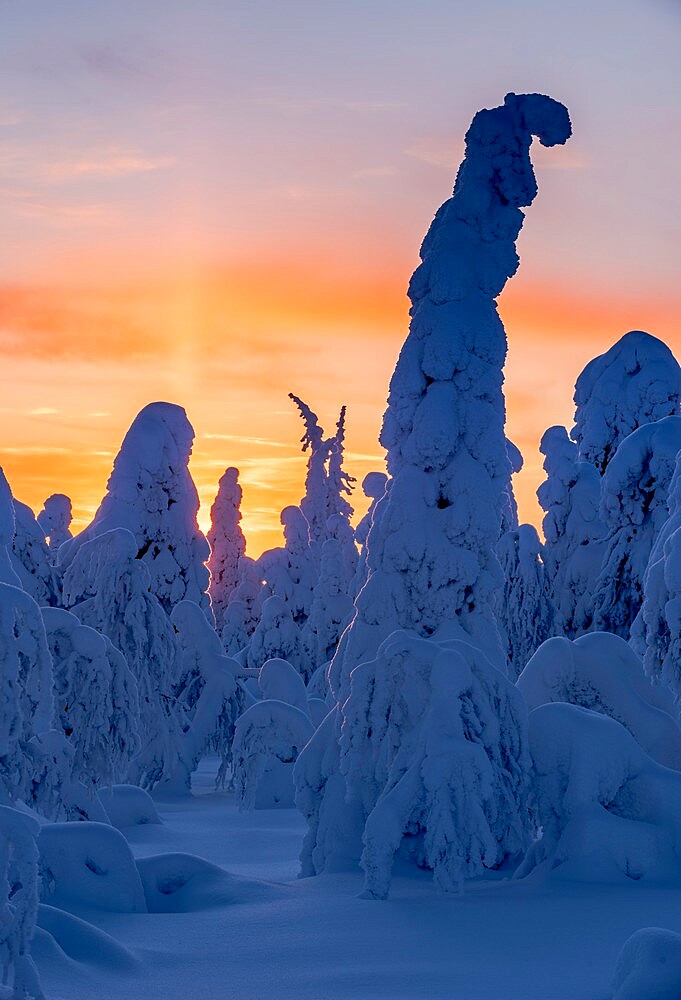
48, 163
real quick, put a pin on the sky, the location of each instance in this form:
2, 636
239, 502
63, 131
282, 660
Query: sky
219, 203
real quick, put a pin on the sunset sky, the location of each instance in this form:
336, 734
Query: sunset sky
217, 203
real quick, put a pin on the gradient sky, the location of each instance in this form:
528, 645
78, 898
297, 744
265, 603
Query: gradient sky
217, 203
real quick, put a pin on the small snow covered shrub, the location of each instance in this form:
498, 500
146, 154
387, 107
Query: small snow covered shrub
636, 382
634, 509
649, 966
227, 543
601, 672
18, 902
605, 808
433, 744
269, 736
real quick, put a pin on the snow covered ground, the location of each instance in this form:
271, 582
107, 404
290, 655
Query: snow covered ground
269, 935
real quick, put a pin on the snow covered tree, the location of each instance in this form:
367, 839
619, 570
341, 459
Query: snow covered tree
332, 605
433, 569
19, 898
290, 572
634, 509
340, 485
573, 551
227, 543
152, 494
278, 636
234, 636
95, 699
509, 510
8, 574
31, 558
55, 520
526, 613
656, 632
432, 554
249, 593
373, 487
107, 587
636, 382
314, 504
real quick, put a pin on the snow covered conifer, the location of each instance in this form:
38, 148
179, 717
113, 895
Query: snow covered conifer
509, 511
314, 504
152, 494
634, 509
19, 898
107, 587
573, 551
278, 637
31, 558
292, 571
636, 382
8, 574
432, 554
526, 612
332, 605
433, 570
227, 543
373, 487
55, 520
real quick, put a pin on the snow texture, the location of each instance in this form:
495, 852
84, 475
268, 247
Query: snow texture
601, 672
227, 543
634, 509
636, 382
573, 531
151, 493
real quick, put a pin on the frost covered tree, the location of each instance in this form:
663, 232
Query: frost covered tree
31, 558
526, 613
432, 555
290, 572
55, 520
656, 632
411, 763
152, 494
96, 700
373, 487
573, 551
227, 543
207, 696
107, 587
636, 382
19, 898
634, 509
278, 636
314, 504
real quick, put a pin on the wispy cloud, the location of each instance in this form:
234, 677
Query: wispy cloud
374, 172
243, 439
48, 163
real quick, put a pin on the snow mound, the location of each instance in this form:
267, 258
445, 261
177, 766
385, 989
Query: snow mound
80, 941
649, 966
128, 805
601, 672
607, 811
89, 864
182, 883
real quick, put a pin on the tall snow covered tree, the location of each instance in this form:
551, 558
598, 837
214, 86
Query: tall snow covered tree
636, 382
340, 485
314, 504
573, 551
8, 574
525, 611
31, 558
634, 509
426, 779
656, 632
227, 544
373, 487
55, 520
290, 572
152, 494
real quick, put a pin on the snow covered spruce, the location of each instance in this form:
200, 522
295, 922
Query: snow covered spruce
433, 572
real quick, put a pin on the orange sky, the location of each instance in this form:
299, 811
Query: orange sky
217, 204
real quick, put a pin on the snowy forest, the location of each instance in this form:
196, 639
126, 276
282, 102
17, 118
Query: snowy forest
464, 730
